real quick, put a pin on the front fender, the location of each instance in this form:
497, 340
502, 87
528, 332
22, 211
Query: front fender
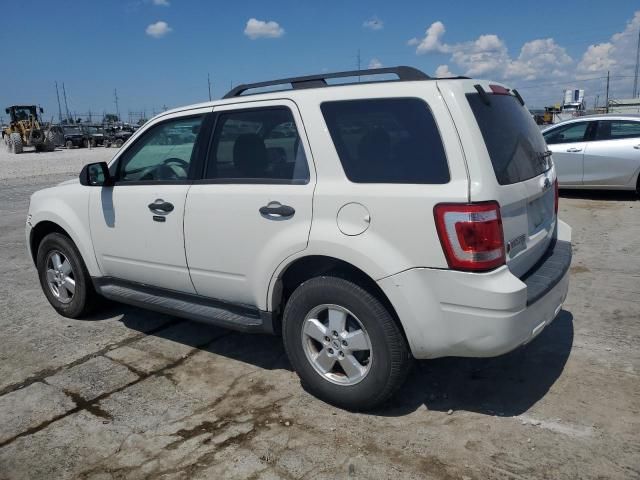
68, 207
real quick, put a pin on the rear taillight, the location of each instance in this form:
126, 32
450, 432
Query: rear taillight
471, 235
557, 197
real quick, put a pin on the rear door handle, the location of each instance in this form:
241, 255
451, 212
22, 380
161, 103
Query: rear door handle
574, 149
161, 206
277, 211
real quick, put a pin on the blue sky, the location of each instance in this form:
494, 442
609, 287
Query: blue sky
95, 46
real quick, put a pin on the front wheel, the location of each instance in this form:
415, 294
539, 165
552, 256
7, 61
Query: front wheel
344, 344
64, 277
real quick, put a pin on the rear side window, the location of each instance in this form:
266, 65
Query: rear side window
514, 142
259, 145
390, 140
617, 129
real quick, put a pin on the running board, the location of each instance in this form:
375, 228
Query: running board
185, 305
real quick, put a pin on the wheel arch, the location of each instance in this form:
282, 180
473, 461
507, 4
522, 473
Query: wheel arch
304, 268
41, 230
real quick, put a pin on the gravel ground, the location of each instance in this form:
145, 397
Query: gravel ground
62, 161
133, 394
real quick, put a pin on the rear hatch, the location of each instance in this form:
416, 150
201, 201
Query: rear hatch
509, 163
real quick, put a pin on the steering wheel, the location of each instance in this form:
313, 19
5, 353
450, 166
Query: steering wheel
184, 164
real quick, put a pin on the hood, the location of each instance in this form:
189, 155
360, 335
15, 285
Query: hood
71, 181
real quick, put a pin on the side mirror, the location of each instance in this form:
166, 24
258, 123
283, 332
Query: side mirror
96, 175
41, 110
6, 110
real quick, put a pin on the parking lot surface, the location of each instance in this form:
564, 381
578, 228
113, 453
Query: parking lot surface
133, 394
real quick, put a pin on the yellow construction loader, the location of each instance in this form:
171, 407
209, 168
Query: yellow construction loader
26, 130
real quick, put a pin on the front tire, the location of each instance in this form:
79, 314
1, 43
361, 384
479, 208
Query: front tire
64, 278
344, 344
16, 143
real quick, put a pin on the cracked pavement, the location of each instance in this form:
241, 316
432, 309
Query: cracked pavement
133, 394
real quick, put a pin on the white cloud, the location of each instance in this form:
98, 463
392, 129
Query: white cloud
616, 55
261, 29
431, 41
375, 63
542, 60
163, 3
540, 57
443, 72
158, 29
598, 58
488, 55
374, 23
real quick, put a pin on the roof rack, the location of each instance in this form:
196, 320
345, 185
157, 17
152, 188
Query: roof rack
314, 81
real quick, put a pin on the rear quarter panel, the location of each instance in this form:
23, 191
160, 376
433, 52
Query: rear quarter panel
401, 233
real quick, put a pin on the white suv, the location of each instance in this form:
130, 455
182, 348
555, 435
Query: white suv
367, 223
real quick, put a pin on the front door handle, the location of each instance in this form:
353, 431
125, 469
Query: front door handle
637, 147
161, 206
277, 211
574, 149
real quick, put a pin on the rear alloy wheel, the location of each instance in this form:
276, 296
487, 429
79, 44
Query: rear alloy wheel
344, 343
64, 277
336, 344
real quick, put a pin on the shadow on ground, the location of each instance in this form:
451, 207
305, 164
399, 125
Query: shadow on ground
615, 195
508, 385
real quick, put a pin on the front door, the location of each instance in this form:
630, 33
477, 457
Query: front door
252, 209
136, 225
568, 143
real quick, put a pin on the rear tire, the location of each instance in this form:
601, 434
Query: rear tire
64, 278
375, 342
118, 143
16, 143
68, 144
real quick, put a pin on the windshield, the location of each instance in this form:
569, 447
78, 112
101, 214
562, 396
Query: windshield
23, 113
72, 130
514, 142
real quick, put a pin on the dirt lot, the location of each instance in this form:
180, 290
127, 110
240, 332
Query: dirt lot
133, 394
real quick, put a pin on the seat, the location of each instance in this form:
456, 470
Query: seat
250, 156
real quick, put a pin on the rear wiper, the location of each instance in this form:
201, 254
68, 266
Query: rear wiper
483, 95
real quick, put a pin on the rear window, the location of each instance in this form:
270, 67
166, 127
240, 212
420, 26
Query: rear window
514, 142
389, 140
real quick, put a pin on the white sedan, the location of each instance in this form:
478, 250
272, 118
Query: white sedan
597, 151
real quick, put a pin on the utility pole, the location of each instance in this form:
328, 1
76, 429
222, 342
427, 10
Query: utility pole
595, 106
115, 99
635, 78
66, 106
209, 82
59, 108
607, 97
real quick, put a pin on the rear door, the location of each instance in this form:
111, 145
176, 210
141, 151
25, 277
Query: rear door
252, 209
508, 162
568, 144
613, 156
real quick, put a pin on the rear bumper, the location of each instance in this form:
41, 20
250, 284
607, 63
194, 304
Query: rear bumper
451, 313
